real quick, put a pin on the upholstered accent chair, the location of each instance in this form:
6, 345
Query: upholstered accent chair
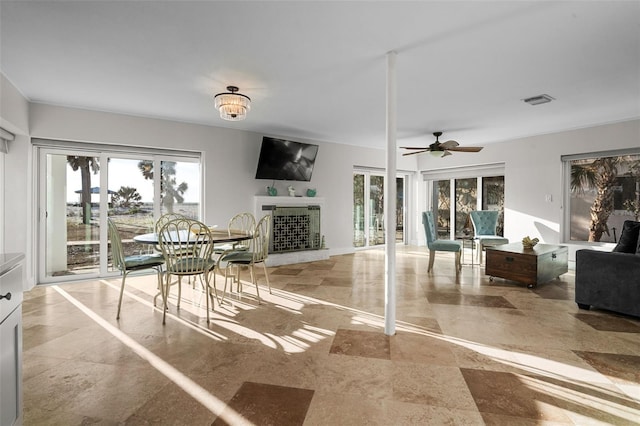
434, 244
485, 223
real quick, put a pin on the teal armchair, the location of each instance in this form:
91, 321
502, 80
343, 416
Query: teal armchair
485, 223
434, 244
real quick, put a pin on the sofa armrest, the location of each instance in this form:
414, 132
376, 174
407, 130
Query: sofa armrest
608, 280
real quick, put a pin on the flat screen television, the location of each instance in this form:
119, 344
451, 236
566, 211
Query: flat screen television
286, 160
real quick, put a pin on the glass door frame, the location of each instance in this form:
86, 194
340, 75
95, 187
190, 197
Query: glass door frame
453, 211
480, 172
103, 153
42, 226
368, 173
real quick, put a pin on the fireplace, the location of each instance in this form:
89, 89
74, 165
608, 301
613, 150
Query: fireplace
297, 228
294, 228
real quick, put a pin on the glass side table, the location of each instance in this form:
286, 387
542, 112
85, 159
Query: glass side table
468, 243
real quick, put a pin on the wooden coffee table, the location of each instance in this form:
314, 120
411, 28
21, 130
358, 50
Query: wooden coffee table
538, 265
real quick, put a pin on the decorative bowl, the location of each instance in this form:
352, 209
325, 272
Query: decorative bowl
529, 243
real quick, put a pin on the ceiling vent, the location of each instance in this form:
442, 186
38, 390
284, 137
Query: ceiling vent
540, 99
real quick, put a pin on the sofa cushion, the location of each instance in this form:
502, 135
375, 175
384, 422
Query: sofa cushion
628, 242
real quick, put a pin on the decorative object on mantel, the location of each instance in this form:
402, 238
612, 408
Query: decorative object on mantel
232, 106
292, 191
311, 192
528, 243
272, 191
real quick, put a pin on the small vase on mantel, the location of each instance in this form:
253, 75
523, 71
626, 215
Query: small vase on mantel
311, 192
272, 191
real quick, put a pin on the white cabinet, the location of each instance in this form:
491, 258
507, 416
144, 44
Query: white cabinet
11, 287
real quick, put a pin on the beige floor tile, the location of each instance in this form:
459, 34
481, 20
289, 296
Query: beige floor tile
467, 350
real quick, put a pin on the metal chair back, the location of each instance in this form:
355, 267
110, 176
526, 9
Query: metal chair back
244, 223
259, 245
117, 252
186, 245
166, 218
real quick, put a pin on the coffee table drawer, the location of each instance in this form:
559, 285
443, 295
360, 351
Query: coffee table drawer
511, 261
512, 266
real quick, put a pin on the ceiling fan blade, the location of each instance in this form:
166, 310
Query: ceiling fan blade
449, 144
416, 152
412, 147
466, 148
446, 152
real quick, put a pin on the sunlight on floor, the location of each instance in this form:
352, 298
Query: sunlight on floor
564, 382
616, 406
200, 394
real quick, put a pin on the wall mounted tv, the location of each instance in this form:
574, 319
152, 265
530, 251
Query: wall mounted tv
286, 160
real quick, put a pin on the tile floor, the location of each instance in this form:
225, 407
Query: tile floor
466, 351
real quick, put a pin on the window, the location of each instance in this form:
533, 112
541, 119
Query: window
456, 192
603, 191
466, 191
83, 184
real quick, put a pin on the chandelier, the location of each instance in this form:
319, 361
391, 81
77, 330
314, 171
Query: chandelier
232, 106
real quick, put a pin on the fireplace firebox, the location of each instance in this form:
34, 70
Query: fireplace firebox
294, 228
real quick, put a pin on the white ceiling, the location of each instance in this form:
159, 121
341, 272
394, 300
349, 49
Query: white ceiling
317, 70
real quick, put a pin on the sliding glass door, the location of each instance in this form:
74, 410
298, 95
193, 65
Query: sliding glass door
368, 209
131, 202
80, 189
72, 210
477, 193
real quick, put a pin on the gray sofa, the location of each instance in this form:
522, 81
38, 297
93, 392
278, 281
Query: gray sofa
611, 280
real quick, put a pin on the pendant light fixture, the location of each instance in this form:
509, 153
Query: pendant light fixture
232, 106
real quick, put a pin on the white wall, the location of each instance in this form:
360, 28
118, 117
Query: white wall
533, 170
229, 157
14, 179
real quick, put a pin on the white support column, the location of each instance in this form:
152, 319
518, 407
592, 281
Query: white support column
390, 201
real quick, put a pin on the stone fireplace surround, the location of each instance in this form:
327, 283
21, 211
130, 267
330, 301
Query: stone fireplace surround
263, 206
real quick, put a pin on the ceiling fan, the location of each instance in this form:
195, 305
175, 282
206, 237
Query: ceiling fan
441, 147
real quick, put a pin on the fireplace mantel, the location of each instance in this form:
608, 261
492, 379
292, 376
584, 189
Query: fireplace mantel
276, 259
263, 200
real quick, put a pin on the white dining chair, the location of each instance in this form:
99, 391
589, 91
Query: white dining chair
198, 261
257, 253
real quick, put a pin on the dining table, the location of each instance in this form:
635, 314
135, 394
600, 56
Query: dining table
218, 236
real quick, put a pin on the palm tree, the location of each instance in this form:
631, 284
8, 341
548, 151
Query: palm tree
86, 166
171, 192
634, 206
127, 197
599, 174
